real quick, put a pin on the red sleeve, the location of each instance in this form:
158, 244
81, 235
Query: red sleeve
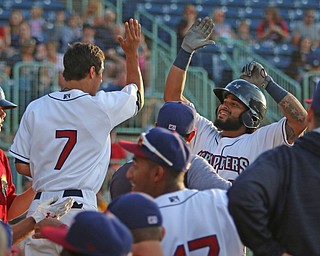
6, 180
284, 26
260, 28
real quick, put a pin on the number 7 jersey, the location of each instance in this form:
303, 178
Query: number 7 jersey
65, 137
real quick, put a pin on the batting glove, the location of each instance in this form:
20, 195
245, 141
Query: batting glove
198, 35
255, 73
47, 209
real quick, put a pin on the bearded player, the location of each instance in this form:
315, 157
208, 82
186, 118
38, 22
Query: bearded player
234, 141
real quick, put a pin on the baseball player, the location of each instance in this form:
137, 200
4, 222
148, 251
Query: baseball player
196, 222
275, 202
233, 141
181, 118
63, 141
13, 205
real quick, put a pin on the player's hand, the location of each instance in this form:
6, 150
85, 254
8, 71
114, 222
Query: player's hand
198, 35
51, 209
45, 223
130, 43
255, 73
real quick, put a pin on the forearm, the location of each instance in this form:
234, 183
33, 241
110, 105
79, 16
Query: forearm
21, 204
291, 108
296, 116
177, 77
134, 74
22, 229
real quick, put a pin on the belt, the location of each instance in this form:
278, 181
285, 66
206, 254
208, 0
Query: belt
66, 193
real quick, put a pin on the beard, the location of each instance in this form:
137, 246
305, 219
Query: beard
231, 124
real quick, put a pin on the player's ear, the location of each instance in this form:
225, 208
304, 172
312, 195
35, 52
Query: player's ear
158, 173
163, 232
92, 71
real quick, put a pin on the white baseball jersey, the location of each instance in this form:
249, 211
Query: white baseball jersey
198, 223
65, 137
230, 156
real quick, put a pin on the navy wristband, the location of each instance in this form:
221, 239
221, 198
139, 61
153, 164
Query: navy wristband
276, 91
183, 59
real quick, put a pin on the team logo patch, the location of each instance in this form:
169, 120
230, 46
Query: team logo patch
172, 127
152, 220
174, 199
67, 96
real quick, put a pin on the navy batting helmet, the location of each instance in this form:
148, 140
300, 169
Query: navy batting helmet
251, 96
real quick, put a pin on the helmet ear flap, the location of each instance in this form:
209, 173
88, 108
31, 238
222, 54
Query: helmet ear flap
249, 119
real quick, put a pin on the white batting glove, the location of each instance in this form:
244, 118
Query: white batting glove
198, 35
47, 209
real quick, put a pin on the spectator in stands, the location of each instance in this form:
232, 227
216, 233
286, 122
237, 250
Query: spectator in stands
5, 34
58, 30
88, 33
93, 12
25, 34
298, 65
105, 30
37, 23
72, 31
307, 28
6, 54
221, 29
15, 20
243, 32
56, 58
189, 17
272, 28
144, 61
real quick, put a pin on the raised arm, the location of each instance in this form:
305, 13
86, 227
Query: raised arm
130, 46
197, 37
290, 106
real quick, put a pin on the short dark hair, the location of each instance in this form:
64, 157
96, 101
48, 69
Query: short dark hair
147, 234
79, 58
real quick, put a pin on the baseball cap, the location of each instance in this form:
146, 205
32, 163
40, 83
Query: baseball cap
136, 210
5, 103
93, 233
162, 146
315, 101
177, 116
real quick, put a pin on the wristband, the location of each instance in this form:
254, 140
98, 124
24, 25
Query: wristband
183, 59
276, 91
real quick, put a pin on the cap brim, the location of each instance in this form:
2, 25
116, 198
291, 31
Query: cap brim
58, 235
219, 92
132, 147
7, 104
308, 101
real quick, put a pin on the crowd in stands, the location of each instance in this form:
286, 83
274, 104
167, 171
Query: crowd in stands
272, 31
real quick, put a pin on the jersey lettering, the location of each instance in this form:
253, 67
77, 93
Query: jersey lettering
71, 135
209, 241
228, 163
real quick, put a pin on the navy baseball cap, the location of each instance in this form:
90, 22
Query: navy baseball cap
315, 101
162, 146
5, 103
92, 234
136, 210
177, 116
